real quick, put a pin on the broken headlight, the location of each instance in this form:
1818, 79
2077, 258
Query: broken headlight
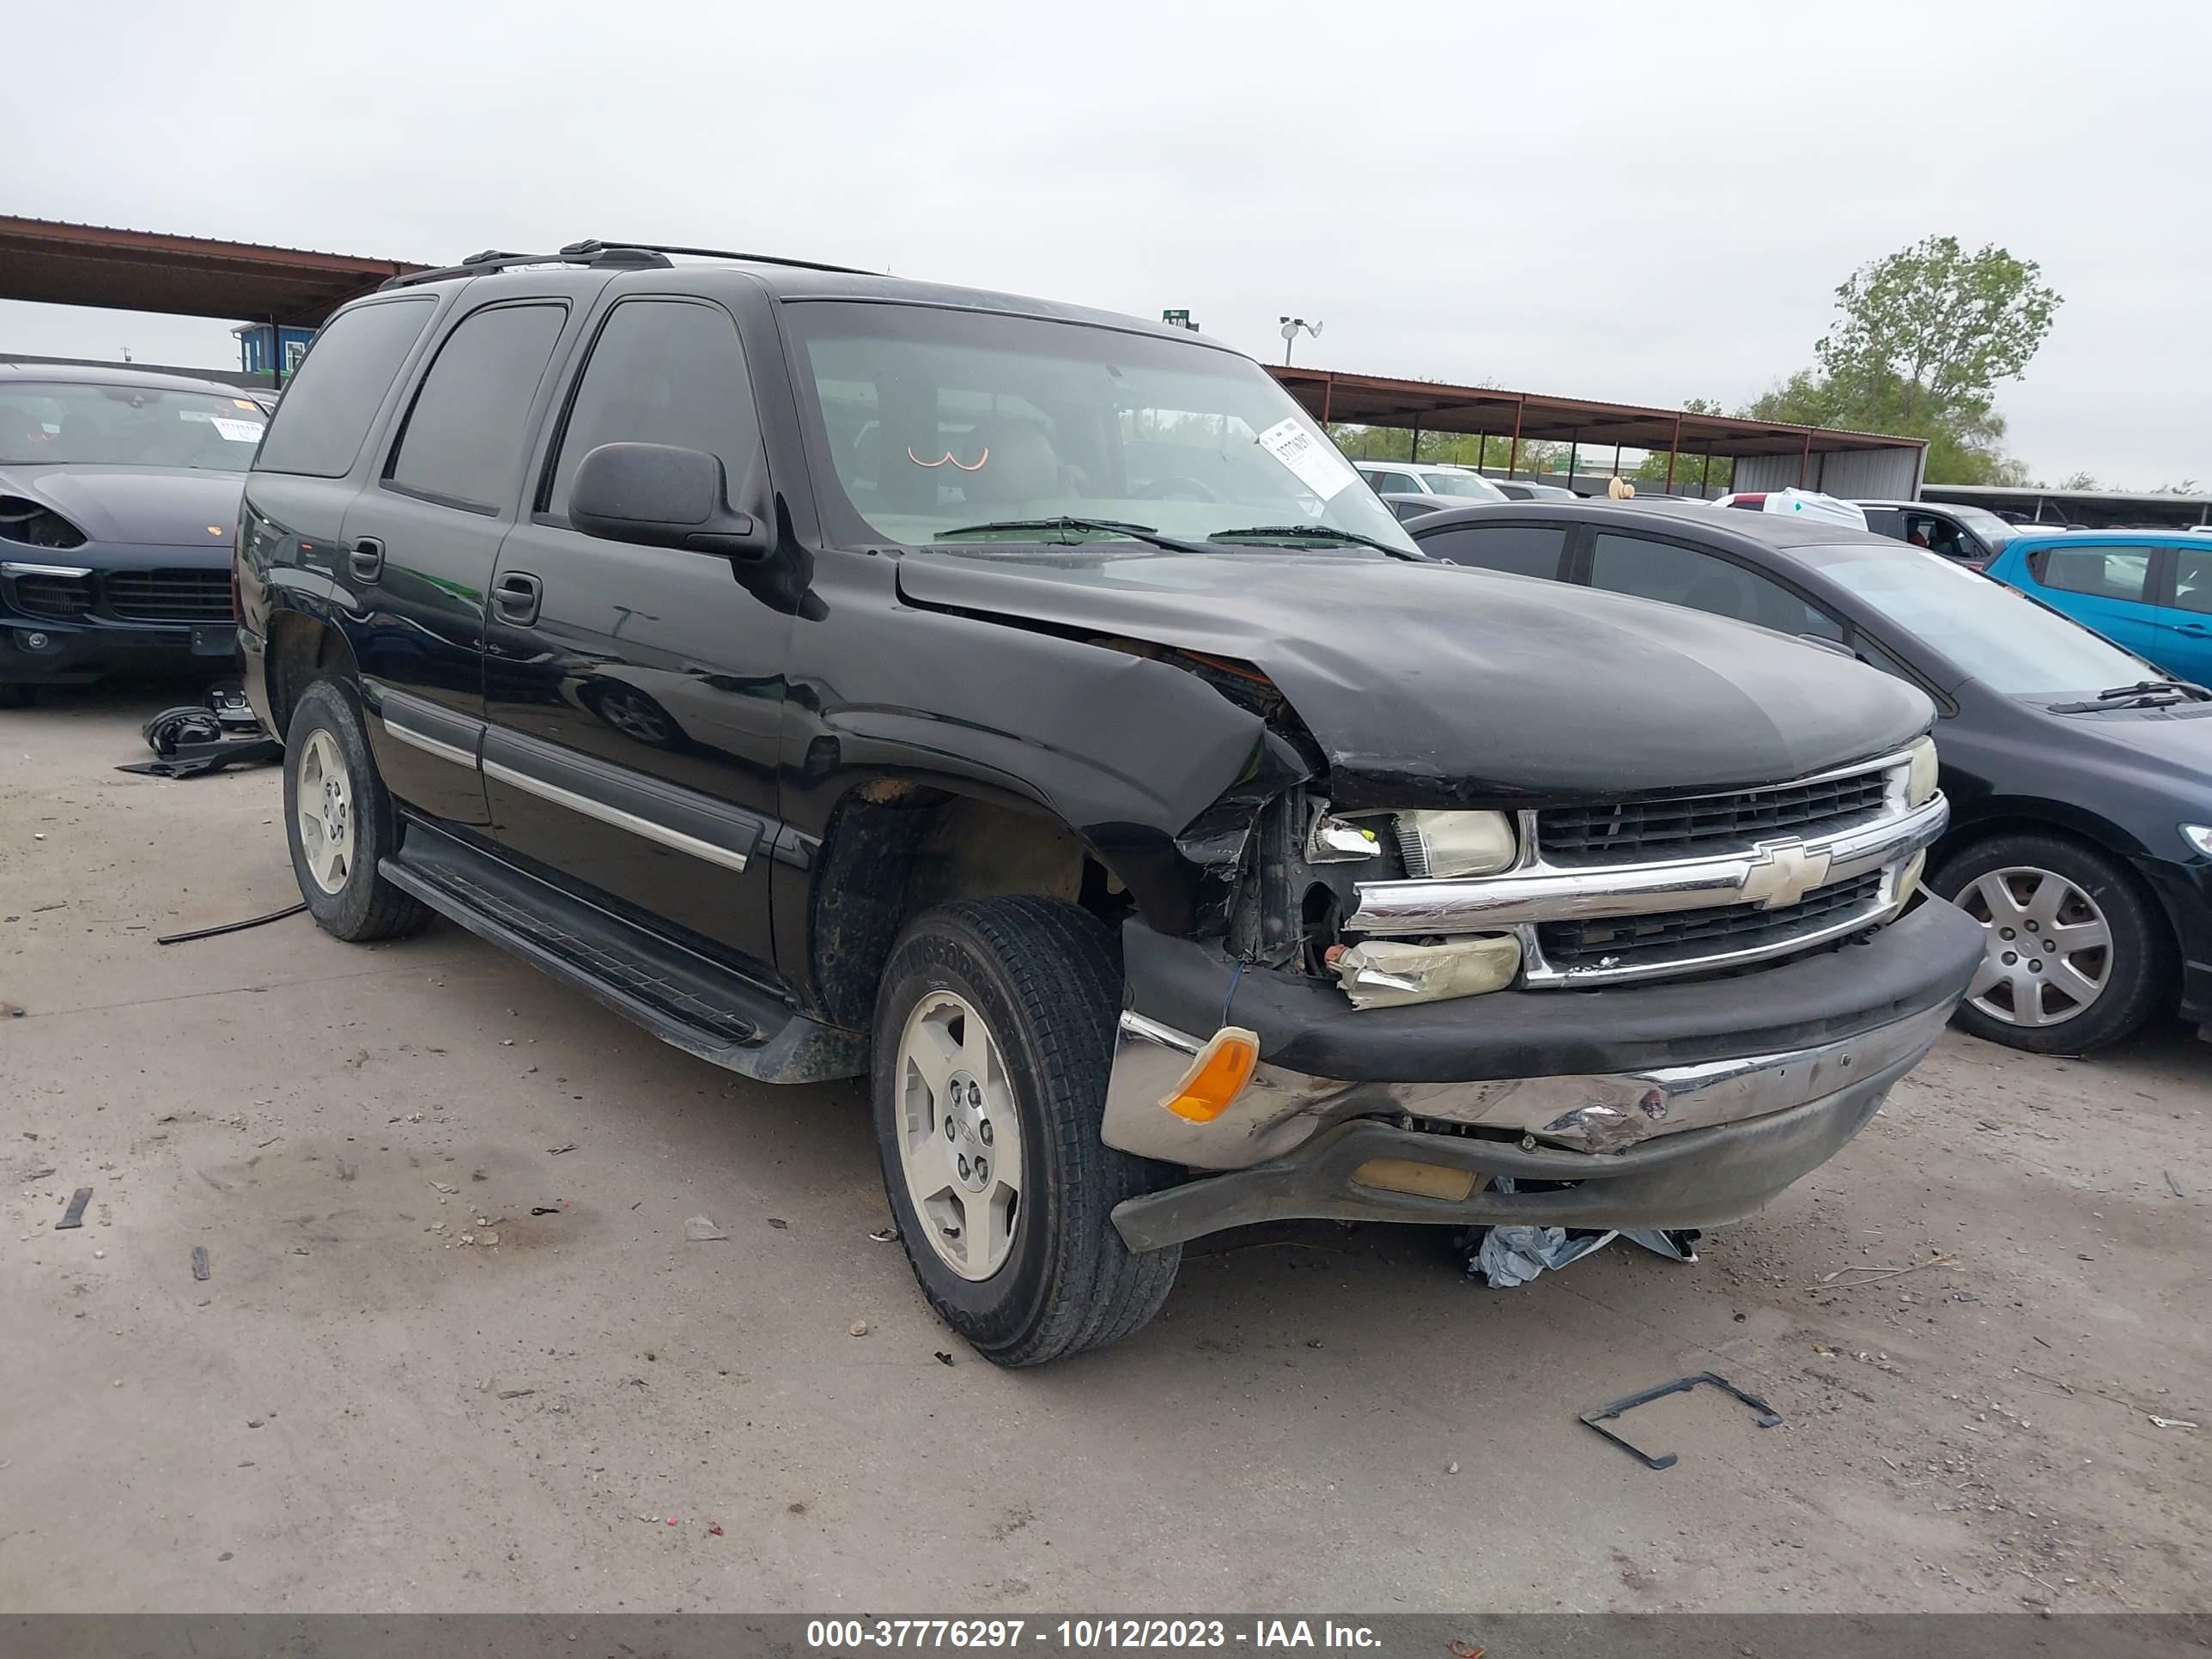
1440, 845
1384, 973
1920, 773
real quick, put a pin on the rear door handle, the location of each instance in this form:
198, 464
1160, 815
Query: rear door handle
367, 558
515, 595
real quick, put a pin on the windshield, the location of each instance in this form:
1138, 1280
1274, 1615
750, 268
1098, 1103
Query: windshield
1986, 524
1990, 632
47, 422
1469, 486
938, 421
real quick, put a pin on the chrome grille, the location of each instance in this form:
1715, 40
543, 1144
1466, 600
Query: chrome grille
1627, 944
61, 597
182, 596
1667, 829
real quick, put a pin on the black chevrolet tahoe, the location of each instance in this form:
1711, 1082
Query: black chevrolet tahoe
1029, 709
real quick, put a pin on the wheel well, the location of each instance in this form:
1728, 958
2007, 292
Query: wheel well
302, 649
896, 849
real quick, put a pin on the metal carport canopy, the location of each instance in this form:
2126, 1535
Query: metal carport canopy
1428, 406
71, 264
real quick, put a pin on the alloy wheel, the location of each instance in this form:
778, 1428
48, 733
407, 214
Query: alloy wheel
959, 1135
324, 802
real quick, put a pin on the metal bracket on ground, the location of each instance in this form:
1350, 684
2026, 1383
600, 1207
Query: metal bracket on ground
1767, 1417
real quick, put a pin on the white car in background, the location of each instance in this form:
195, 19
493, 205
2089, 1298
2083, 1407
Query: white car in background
1804, 504
1457, 484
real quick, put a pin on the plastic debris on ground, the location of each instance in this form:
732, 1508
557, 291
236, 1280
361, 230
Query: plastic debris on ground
198, 738
1508, 1256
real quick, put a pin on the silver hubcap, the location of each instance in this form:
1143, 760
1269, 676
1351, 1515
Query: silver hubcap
960, 1138
324, 798
2050, 950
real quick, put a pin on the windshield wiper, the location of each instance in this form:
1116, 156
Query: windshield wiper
1135, 532
2141, 694
1312, 532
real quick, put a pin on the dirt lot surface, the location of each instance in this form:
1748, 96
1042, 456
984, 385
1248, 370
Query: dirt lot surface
360, 1408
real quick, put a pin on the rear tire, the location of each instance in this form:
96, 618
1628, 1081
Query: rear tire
995, 1034
340, 821
13, 694
2091, 958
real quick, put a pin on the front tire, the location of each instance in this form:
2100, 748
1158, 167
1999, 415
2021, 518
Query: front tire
340, 821
993, 1036
2077, 956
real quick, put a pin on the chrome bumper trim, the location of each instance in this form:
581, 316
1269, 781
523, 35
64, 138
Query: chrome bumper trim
1772, 874
1593, 1115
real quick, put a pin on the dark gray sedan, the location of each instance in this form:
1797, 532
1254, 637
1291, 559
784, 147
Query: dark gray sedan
119, 504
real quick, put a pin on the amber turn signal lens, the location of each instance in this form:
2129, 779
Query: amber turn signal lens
1217, 1076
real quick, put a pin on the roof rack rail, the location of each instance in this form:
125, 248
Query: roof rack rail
717, 253
598, 250
491, 260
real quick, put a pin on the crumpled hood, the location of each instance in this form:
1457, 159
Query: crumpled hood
145, 506
1432, 685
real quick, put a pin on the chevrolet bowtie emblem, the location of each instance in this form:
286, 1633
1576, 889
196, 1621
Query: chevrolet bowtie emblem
1783, 872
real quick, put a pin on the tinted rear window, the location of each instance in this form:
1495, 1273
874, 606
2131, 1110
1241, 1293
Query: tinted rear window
464, 438
1518, 549
327, 409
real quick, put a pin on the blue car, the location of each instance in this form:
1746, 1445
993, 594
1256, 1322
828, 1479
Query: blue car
2149, 591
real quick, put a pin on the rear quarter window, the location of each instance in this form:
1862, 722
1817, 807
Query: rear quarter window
326, 409
2101, 570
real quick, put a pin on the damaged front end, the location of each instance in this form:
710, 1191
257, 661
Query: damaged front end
1409, 915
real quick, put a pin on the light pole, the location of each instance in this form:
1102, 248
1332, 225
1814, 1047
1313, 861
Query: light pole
1290, 332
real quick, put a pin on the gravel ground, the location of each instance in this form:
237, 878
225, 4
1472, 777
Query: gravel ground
371, 1405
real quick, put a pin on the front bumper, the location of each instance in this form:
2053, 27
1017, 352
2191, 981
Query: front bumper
2185, 892
1677, 1104
70, 617
36, 651
1695, 1178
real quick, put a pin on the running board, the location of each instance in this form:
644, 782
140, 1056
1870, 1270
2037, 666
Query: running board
680, 996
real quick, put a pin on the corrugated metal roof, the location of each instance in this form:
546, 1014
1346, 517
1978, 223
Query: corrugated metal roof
1433, 406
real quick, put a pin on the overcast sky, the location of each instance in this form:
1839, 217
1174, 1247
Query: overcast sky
1641, 202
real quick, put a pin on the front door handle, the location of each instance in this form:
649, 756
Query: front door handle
367, 558
515, 595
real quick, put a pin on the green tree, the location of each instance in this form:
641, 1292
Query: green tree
1689, 465
1393, 443
1921, 339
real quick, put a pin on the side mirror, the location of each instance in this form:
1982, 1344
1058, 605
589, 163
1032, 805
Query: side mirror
658, 495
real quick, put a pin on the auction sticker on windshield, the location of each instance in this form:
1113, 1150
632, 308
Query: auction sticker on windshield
1311, 457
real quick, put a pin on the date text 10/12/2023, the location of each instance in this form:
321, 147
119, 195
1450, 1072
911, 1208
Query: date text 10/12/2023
1088, 1634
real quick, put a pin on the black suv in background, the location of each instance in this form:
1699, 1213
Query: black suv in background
1029, 708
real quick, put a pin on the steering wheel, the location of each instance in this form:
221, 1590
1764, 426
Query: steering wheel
1173, 487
